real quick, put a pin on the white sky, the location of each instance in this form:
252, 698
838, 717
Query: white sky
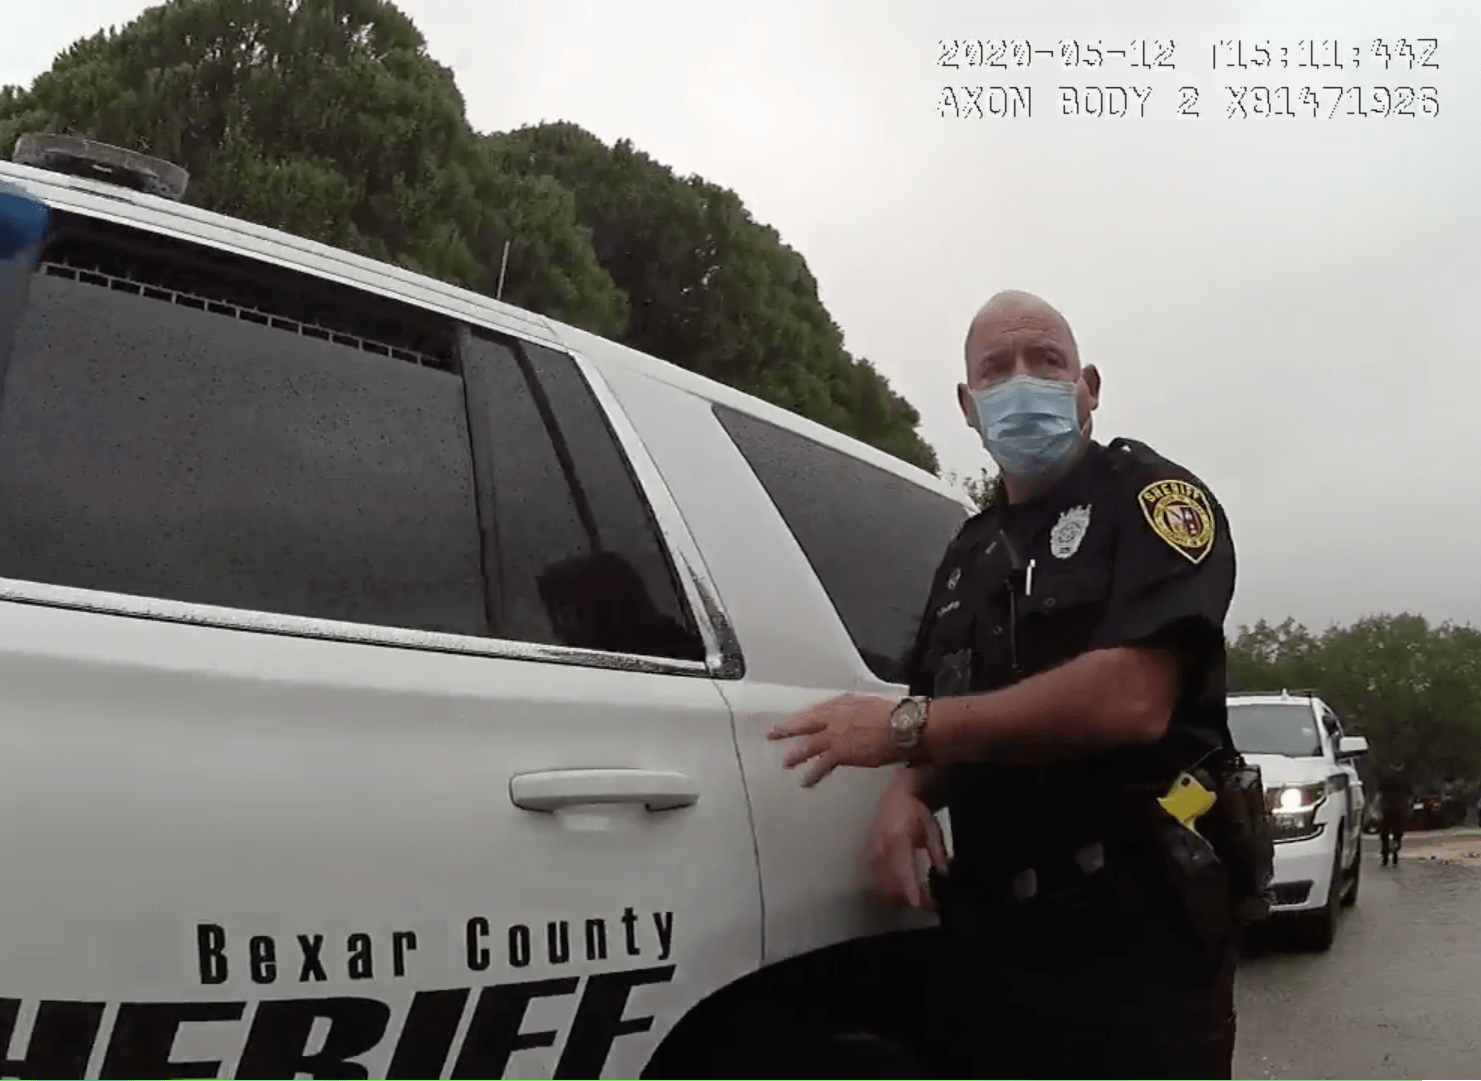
1274, 302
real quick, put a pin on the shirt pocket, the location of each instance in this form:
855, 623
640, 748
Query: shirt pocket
1060, 591
1058, 619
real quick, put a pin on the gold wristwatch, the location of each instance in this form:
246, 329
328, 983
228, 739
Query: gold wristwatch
908, 727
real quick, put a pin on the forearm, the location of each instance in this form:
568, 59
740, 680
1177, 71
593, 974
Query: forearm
1100, 699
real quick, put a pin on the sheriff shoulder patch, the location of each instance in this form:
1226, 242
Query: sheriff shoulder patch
1180, 514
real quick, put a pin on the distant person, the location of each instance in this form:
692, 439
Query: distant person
1067, 675
1395, 796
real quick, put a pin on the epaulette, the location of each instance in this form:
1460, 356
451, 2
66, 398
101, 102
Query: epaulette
1124, 452
1128, 453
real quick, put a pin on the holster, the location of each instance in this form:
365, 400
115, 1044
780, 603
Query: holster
1199, 876
1239, 829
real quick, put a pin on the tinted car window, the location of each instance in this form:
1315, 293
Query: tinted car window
873, 539
152, 446
579, 558
191, 425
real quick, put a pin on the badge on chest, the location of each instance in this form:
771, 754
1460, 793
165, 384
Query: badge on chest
1069, 531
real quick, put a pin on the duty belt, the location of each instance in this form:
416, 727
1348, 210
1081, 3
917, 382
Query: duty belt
1048, 878
1056, 892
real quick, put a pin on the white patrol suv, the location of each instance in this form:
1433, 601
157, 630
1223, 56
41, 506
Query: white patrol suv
386, 670
1316, 802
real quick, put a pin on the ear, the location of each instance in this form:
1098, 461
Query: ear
1091, 374
969, 410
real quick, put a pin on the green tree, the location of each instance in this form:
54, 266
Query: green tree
327, 119
1272, 658
713, 290
985, 489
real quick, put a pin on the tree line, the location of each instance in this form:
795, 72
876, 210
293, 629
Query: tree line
1413, 688
327, 119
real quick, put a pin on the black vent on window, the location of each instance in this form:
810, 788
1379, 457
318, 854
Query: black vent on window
160, 268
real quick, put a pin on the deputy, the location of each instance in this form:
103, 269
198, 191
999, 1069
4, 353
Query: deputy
1395, 798
1067, 707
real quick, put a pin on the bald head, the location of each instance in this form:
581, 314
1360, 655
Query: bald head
1014, 314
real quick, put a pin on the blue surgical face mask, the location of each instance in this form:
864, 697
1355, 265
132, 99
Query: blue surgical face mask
1030, 426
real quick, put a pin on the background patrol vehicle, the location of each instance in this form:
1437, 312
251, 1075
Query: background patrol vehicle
1316, 803
386, 674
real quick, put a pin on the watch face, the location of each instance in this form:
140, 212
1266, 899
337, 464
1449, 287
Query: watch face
906, 721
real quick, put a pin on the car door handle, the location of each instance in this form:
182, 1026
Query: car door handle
657, 790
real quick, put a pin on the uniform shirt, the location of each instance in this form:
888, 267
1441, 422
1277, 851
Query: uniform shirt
1394, 796
1127, 549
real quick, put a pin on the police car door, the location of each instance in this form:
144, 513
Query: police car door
356, 721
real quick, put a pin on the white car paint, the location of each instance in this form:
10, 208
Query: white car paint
1311, 859
801, 652
211, 817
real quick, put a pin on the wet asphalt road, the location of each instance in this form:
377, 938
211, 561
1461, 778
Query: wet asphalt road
1398, 995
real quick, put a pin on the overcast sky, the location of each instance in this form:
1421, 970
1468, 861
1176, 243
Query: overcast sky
1275, 302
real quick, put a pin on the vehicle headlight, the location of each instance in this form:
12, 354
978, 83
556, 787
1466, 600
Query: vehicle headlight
1297, 798
1293, 809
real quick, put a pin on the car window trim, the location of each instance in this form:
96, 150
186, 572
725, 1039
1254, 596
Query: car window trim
159, 609
724, 658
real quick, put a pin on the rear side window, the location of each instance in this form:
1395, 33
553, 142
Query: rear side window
153, 446
579, 560
873, 539
191, 426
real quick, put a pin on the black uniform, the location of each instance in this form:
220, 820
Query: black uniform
1395, 796
1073, 948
